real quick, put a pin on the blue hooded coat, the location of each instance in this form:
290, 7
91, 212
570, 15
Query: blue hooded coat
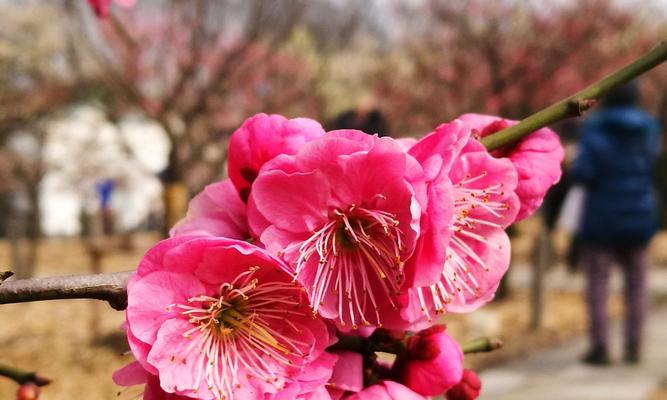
617, 156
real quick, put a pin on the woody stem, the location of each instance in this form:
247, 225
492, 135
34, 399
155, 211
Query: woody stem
481, 345
22, 377
578, 103
107, 287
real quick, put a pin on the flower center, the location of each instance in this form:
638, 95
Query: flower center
240, 327
457, 276
359, 258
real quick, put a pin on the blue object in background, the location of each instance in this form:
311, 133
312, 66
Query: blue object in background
104, 190
616, 163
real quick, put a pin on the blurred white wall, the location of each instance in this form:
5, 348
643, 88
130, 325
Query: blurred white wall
84, 148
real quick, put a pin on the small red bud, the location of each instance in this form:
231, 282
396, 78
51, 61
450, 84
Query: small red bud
467, 389
432, 364
422, 347
28, 391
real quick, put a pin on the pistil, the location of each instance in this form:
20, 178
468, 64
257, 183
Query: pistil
236, 328
359, 258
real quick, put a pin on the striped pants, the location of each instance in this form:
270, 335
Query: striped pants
598, 262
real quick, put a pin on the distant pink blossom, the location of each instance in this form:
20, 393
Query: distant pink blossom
101, 7
537, 159
386, 390
261, 138
468, 389
433, 362
215, 211
219, 318
345, 213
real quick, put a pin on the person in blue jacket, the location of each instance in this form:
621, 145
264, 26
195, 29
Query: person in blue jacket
616, 161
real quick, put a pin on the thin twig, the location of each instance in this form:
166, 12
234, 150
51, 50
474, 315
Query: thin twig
22, 377
4, 275
481, 345
578, 103
107, 287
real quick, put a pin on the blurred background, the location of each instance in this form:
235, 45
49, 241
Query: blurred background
108, 127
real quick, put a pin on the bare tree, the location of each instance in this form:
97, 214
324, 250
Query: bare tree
35, 87
199, 68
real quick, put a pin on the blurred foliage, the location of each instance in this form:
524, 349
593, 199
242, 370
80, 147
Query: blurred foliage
199, 68
506, 58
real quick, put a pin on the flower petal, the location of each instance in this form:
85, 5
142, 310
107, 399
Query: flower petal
496, 255
153, 260
261, 138
175, 358
348, 371
537, 158
444, 143
293, 202
150, 297
130, 375
215, 211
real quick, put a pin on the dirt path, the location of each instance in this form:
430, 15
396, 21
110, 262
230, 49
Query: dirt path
558, 375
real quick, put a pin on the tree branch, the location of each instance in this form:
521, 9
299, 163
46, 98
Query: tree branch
22, 377
481, 345
578, 103
108, 287
4, 275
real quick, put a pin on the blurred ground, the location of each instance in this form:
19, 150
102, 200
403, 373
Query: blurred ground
79, 344
556, 374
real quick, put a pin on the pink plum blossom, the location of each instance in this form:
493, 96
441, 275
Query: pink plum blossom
537, 159
348, 372
344, 212
386, 390
436, 152
406, 142
482, 191
433, 362
215, 211
311, 383
261, 138
134, 374
467, 389
311, 387
219, 318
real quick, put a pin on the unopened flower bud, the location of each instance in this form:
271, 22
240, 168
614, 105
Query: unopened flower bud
467, 389
433, 362
28, 391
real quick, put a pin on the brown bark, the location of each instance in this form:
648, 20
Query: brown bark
108, 287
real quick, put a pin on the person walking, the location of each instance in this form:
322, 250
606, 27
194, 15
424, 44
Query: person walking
616, 160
